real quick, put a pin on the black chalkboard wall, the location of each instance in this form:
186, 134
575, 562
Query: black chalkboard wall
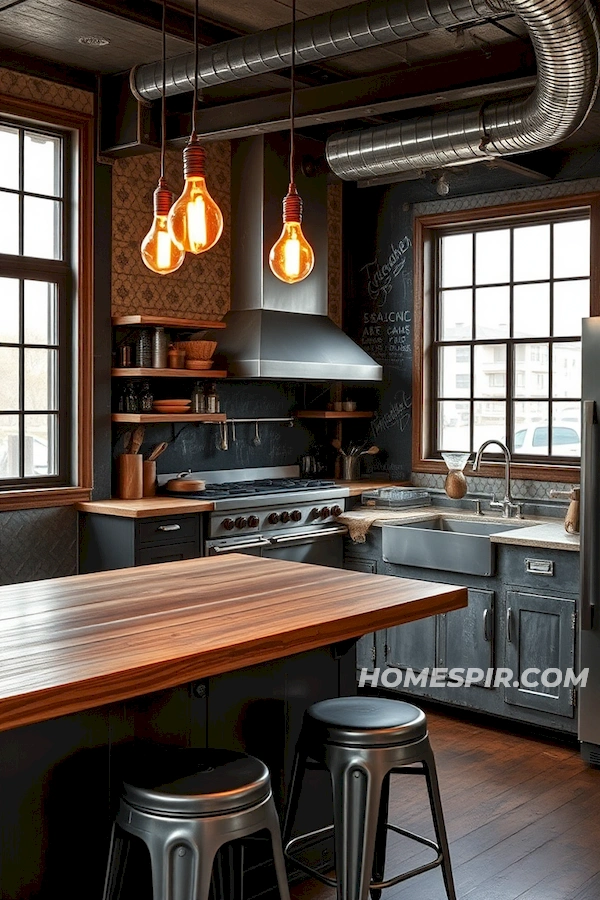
378, 229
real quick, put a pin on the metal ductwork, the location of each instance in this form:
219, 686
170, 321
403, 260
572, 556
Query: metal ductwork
565, 37
318, 38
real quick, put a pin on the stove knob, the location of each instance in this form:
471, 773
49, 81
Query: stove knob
336, 511
240, 522
296, 515
273, 518
315, 513
228, 524
325, 512
285, 517
253, 521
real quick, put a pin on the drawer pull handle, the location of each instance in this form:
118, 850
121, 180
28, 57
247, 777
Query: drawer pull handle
486, 623
509, 634
539, 566
173, 527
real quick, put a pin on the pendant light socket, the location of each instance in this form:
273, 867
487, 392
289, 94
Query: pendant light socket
163, 198
292, 205
194, 158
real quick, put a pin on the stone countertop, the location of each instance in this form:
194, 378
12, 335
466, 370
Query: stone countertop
539, 532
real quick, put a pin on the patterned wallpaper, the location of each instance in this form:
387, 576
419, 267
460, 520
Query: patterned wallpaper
27, 87
201, 287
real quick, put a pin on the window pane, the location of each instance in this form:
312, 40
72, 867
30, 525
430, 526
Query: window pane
41, 370
489, 369
42, 228
41, 441
492, 256
571, 305
9, 310
566, 429
489, 421
40, 298
9, 378
454, 372
456, 314
457, 260
531, 314
531, 428
9, 447
41, 164
492, 313
9, 154
532, 253
9, 223
453, 425
572, 249
531, 370
566, 370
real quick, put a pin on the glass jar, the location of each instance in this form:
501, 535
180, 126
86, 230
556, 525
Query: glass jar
198, 399
143, 349
129, 401
146, 398
213, 404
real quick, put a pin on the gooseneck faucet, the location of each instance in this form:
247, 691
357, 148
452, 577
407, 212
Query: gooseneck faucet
506, 505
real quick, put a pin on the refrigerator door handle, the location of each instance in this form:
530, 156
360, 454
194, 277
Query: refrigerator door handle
589, 543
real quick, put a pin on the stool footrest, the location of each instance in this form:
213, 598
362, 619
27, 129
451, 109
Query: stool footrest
301, 841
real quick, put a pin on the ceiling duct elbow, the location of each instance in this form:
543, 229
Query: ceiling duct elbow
565, 37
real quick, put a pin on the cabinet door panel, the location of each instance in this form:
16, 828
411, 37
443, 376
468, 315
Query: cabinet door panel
466, 636
149, 555
412, 645
540, 635
365, 648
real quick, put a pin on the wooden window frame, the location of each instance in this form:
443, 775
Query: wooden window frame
80, 128
426, 229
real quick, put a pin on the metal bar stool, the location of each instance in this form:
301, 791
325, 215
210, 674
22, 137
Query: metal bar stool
362, 741
185, 805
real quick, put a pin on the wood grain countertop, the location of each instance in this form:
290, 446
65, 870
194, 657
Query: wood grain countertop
170, 506
68, 644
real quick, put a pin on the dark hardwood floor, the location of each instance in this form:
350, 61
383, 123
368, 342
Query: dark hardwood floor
523, 817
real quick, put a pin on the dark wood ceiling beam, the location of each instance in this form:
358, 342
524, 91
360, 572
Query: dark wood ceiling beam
464, 78
45, 68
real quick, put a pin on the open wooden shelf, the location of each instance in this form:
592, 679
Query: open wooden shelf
154, 418
149, 372
167, 322
331, 414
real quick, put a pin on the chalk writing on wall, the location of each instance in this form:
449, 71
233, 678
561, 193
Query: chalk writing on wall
397, 414
381, 276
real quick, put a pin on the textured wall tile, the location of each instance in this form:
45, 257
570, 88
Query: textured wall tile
521, 489
37, 543
29, 88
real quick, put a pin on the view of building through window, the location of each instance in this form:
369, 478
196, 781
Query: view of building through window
31, 230
508, 338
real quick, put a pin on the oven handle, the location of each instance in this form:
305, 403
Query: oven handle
231, 548
309, 537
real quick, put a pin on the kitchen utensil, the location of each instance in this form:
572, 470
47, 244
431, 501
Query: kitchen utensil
157, 451
233, 432
338, 446
372, 451
308, 465
131, 479
223, 443
350, 468
256, 440
149, 478
197, 349
185, 484
137, 439
196, 364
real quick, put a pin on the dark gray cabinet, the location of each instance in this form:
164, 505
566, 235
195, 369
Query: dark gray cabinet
117, 542
413, 645
365, 648
466, 636
540, 636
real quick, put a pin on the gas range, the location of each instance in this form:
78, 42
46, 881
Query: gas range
267, 501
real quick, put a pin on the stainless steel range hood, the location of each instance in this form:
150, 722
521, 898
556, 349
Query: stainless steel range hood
277, 330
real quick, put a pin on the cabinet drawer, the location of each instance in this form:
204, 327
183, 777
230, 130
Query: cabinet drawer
146, 556
539, 568
168, 530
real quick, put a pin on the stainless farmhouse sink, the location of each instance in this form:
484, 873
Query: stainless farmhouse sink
451, 545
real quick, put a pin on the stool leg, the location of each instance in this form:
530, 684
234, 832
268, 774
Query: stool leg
294, 792
117, 860
278, 857
438, 820
381, 837
356, 804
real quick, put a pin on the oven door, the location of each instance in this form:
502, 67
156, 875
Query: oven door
322, 547
252, 545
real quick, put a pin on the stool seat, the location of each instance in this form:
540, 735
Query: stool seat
200, 783
365, 721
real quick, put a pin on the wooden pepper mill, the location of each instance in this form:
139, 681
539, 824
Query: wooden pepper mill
572, 516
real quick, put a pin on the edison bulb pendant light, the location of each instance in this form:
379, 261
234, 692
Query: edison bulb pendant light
195, 221
291, 258
159, 252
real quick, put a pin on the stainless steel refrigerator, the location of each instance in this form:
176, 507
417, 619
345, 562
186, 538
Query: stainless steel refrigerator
589, 609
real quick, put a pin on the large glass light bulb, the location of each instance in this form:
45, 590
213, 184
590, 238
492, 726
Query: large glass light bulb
159, 252
291, 258
195, 221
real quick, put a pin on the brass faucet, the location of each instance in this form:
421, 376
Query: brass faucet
506, 505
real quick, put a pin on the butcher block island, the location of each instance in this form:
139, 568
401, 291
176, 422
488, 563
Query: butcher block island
220, 652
